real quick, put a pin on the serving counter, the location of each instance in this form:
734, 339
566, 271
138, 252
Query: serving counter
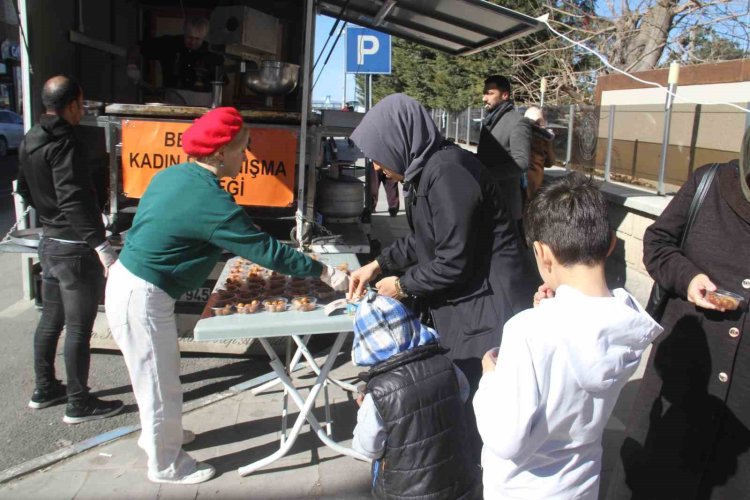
299, 327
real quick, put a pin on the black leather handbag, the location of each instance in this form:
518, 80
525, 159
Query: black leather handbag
658, 299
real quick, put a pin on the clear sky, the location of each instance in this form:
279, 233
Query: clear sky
331, 82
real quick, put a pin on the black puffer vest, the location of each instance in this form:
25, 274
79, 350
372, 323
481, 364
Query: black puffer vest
416, 394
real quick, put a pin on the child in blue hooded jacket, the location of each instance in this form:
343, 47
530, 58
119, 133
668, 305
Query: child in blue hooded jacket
411, 416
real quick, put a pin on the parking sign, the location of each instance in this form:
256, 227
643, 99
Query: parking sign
368, 51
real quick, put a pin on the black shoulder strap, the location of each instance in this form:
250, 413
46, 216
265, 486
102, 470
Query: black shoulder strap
700, 195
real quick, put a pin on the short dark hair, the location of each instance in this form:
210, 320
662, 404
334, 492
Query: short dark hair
59, 91
570, 216
199, 22
499, 81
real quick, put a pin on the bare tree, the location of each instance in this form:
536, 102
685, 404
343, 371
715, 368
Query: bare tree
632, 35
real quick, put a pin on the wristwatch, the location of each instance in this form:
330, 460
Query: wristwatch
399, 290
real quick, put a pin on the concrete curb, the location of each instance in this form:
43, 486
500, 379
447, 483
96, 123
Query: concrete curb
49, 459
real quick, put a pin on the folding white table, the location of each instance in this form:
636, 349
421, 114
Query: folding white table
300, 327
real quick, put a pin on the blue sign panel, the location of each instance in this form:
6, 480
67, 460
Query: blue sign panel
368, 51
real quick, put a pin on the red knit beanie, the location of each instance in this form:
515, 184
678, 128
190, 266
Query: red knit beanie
211, 131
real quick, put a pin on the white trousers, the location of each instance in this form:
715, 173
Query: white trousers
141, 318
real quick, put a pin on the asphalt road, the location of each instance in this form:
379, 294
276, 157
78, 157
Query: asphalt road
26, 433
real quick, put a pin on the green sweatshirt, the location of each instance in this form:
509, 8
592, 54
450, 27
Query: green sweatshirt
184, 220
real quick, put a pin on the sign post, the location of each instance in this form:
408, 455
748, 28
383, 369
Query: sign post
368, 52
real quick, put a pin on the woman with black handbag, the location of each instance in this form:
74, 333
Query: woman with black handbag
688, 436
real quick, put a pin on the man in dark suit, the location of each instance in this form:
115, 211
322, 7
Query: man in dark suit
504, 142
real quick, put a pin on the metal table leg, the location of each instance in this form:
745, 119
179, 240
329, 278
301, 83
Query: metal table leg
293, 367
285, 405
305, 406
302, 347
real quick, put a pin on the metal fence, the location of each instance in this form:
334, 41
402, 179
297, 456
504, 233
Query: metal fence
461, 127
625, 143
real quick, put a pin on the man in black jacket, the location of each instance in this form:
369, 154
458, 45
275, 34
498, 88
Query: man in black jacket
73, 251
504, 142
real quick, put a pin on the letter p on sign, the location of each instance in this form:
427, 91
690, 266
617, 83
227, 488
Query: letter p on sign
367, 51
367, 45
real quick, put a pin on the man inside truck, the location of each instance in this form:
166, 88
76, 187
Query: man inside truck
187, 65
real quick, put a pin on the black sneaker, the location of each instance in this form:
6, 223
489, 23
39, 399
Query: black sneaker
42, 399
393, 212
91, 409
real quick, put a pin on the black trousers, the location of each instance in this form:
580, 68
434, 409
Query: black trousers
72, 281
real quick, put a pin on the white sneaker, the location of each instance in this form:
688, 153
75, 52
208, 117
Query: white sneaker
203, 472
187, 437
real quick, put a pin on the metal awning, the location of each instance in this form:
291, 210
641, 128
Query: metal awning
458, 27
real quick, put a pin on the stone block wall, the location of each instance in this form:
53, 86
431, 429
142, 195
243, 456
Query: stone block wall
625, 266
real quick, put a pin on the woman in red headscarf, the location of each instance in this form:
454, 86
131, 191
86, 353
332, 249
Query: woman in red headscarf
184, 221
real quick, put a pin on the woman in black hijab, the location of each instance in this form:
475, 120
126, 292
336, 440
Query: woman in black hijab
462, 260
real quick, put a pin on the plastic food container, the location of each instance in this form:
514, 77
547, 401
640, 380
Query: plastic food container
304, 303
324, 293
277, 278
273, 291
299, 290
256, 288
223, 311
725, 300
254, 278
248, 307
275, 304
246, 296
223, 294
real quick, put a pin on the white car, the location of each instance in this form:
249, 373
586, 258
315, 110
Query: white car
11, 131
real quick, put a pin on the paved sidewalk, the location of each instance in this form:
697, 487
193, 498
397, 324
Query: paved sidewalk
230, 433
234, 432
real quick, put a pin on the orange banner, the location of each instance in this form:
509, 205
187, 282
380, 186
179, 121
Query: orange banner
266, 179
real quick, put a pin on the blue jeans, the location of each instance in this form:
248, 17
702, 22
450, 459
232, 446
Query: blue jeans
72, 281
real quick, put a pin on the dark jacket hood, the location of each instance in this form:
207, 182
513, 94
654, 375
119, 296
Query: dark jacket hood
51, 128
541, 132
399, 134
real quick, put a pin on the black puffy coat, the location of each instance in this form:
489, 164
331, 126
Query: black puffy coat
688, 436
417, 396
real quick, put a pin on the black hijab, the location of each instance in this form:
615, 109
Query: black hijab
399, 134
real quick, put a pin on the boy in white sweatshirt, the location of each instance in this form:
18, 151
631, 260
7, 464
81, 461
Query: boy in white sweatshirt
544, 400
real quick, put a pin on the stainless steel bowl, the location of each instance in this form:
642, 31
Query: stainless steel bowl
273, 78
